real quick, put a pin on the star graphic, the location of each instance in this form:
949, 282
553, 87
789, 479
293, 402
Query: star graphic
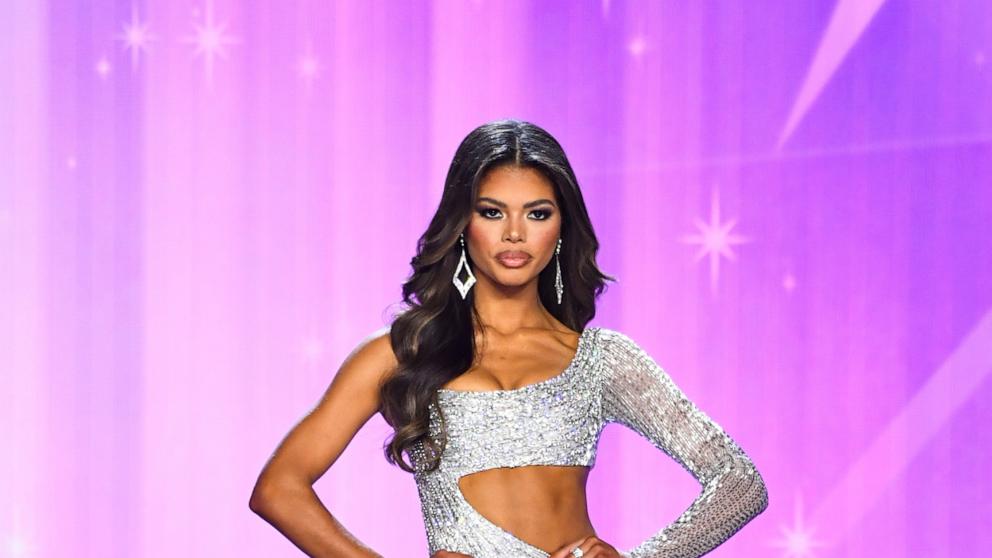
789, 282
14, 544
637, 46
103, 67
714, 239
210, 40
797, 541
308, 66
135, 36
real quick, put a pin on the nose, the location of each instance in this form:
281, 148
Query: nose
512, 233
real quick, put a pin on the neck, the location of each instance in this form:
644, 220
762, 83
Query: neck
510, 308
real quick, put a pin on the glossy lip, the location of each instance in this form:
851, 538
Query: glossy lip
513, 258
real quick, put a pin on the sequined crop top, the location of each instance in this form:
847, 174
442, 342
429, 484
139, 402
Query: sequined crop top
558, 421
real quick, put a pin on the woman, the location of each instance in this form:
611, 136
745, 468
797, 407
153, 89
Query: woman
496, 387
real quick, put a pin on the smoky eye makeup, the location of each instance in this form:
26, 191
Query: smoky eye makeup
486, 212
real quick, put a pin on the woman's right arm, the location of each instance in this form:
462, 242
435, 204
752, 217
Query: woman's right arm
283, 494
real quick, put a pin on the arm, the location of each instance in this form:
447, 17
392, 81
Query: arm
283, 494
639, 394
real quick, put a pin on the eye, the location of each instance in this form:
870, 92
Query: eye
483, 211
542, 214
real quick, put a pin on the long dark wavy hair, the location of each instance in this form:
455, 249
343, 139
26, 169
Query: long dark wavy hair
433, 338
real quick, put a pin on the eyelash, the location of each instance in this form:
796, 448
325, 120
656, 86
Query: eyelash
547, 212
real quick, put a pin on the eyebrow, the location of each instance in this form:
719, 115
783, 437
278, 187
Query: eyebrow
526, 205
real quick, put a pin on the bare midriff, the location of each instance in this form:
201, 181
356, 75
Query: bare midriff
542, 505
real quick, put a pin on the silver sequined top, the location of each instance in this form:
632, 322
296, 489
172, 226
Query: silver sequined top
558, 422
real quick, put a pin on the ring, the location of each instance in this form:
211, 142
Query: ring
577, 552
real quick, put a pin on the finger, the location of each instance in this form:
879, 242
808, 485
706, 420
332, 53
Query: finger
566, 550
594, 547
598, 548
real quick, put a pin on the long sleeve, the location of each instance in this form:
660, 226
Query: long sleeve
639, 394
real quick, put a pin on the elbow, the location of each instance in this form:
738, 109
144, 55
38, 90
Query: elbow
761, 498
260, 495
757, 493
742, 482
266, 493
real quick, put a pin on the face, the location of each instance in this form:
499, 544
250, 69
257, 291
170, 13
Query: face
515, 226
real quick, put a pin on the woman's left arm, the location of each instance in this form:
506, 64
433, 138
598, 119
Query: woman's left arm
639, 394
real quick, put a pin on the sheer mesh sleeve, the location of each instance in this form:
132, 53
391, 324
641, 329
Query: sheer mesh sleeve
639, 394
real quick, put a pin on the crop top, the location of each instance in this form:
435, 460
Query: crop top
558, 421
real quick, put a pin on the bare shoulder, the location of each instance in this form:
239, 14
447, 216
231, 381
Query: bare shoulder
371, 361
352, 397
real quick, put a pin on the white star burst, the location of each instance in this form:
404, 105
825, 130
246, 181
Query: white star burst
210, 40
637, 46
16, 546
789, 282
797, 541
135, 36
715, 239
309, 66
14, 543
103, 67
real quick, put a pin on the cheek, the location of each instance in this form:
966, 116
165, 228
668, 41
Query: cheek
547, 239
480, 234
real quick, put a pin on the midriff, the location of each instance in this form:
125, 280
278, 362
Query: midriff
542, 505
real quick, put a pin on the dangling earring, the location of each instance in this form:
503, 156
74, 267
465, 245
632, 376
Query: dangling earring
463, 286
559, 287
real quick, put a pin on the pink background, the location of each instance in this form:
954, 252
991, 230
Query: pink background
199, 221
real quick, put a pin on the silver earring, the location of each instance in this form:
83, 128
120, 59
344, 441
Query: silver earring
463, 286
559, 286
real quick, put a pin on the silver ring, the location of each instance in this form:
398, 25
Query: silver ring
577, 552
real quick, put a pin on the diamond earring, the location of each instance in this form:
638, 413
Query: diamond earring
463, 286
559, 286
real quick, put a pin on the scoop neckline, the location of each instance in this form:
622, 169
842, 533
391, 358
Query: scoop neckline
576, 358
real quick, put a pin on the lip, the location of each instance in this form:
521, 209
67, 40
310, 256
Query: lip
513, 258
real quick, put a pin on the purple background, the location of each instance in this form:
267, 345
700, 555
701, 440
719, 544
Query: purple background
197, 227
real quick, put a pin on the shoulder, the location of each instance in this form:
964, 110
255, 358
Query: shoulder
622, 351
372, 356
615, 339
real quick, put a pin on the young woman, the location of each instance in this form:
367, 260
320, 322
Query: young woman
497, 388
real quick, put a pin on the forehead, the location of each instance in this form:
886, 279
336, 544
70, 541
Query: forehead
511, 183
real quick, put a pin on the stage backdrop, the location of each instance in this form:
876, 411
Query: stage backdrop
206, 204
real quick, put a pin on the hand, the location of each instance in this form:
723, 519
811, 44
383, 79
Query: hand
592, 547
446, 554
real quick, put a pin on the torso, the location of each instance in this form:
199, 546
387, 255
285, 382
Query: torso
541, 504
509, 362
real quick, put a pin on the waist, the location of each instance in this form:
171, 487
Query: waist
543, 505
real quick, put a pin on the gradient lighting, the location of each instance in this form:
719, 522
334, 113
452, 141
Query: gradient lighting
205, 205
